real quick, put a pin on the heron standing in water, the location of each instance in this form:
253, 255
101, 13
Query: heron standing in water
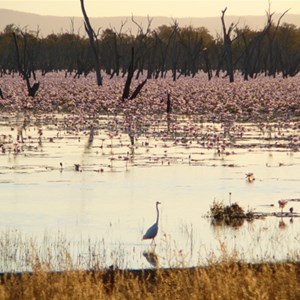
152, 231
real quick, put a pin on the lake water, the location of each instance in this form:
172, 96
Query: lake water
100, 213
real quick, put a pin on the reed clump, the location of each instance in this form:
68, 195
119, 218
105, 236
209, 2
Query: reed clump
227, 280
233, 214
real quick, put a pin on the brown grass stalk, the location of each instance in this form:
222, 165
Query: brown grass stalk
228, 280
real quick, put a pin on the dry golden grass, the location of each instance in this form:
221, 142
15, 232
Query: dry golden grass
224, 277
228, 280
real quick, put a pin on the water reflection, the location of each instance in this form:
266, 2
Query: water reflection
282, 224
151, 257
232, 222
106, 176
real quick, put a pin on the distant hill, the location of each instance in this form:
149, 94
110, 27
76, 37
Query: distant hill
53, 24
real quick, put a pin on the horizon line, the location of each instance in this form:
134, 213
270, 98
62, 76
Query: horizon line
143, 16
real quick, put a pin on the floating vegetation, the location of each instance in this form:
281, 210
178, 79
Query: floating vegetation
234, 215
231, 215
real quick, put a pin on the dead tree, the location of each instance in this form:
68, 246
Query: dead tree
164, 49
253, 49
140, 45
130, 74
126, 89
23, 69
93, 43
273, 56
174, 52
207, 64
139, 40
152, 55
227, 46
117, 36
169, 105
193, 45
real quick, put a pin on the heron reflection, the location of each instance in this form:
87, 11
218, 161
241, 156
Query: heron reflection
151, 257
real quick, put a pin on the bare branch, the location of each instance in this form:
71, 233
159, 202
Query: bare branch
149, 24
122, 25
279, 20
140, 28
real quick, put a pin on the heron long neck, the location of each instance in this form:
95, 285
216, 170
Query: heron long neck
157, 214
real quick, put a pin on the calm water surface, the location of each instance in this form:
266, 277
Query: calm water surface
106, 206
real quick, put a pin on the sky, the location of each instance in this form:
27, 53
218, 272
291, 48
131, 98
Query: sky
168, 8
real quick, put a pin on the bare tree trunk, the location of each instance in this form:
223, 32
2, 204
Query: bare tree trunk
117, 56
164, 51
252, 50
169, 105
93, 43
138, 89
273, 55
126, 90
151, 60
207, 64
227, 46
31, 89
129, 77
